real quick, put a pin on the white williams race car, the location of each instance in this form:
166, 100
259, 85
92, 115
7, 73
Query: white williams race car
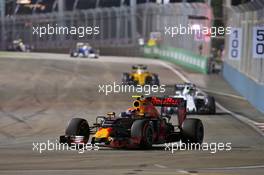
198, 102
84, 50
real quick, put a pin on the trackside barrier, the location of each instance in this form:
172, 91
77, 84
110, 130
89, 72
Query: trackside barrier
178, 56
250, 89
244, 51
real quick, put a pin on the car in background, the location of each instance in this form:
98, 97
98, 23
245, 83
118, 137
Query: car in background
198, 102
84, 50
140, 76
19, 46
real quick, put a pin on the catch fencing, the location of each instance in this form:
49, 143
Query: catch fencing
119, 26
245, 46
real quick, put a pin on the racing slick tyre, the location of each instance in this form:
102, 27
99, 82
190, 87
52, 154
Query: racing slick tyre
192, 131
78, 127
74, 54
155, 79
211, 105
143, 130
149, 80
126, 80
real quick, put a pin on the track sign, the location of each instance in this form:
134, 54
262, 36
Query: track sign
258, 42
235, 43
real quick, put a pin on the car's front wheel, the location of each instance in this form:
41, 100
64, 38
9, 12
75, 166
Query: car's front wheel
78, 127
142, 130
126, 79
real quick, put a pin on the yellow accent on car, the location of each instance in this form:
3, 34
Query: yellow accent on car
136, 96
140, 77
152, 42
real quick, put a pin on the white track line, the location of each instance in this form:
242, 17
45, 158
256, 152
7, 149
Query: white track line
253, 124
182, 171
179, 74
244, 119
160, 166
260, 126
223, 94
234, 168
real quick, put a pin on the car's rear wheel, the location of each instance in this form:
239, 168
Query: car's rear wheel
148, 80
74, 53
192, 131
155, 80
147, 139
211, 105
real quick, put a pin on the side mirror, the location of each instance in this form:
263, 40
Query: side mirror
111, 114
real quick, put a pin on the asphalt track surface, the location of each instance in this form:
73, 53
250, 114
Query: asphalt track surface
40, 93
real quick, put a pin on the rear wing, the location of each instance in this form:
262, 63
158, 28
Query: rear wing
180, 103
139, 66
180, 87
167, 101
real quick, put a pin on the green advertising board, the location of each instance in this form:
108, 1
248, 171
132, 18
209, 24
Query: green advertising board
178, 56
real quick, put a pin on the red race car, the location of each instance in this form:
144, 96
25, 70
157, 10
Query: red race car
140, 126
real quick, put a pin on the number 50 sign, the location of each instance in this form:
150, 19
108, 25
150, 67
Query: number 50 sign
235, 43
258, 42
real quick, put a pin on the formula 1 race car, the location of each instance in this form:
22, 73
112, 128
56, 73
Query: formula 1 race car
140, 76
19, 46
140, 126
198, 102
84, 50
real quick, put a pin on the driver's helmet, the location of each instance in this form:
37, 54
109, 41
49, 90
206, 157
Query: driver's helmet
140, 70
191, 90
85, 46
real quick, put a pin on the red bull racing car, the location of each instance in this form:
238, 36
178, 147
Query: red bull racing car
141, 126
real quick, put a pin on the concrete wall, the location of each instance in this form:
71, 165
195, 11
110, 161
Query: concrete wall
250, 89
245, 71
246, 21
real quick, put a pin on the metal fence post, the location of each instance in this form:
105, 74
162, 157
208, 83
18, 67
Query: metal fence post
133, 25
61, 16
2, 9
